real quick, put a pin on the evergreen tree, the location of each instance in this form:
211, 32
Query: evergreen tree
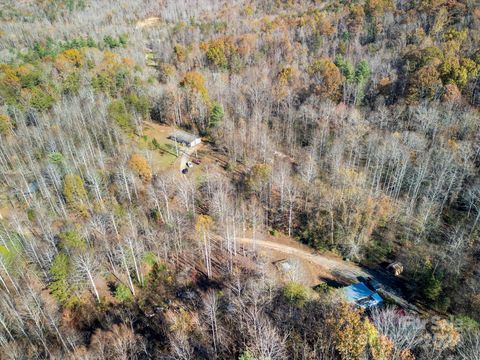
216, 114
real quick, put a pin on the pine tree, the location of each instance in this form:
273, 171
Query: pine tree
60, 287
216, 115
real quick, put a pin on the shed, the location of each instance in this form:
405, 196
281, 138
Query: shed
396, 268
360, 295
185, 138
283, 265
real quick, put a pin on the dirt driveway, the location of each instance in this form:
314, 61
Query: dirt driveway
186, 154
335, 266
347, 270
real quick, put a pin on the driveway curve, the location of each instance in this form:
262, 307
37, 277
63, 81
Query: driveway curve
337, 267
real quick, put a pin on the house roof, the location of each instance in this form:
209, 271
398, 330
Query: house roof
182, 136
362, 296
31, 188
357, 291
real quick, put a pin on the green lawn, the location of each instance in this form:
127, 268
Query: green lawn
155, 139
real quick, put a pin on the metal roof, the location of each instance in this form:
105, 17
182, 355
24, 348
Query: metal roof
357, 291
362, 296
182, 136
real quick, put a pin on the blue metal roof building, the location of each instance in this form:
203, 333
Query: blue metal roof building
362, 296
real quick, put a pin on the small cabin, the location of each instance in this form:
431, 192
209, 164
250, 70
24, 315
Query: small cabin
396, 268
185, 138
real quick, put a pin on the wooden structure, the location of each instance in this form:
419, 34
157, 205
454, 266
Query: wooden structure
396, 268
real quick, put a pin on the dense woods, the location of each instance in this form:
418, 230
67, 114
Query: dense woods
351, 126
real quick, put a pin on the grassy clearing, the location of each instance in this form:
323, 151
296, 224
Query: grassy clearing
155, 138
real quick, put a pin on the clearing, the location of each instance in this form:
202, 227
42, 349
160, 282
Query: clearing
325, 267
149, 22
155, 138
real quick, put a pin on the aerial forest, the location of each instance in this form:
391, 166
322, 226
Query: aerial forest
337, 137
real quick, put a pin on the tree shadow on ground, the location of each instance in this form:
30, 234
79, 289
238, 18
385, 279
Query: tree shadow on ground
333, 283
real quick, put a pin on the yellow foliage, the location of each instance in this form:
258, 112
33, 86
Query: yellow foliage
452, 72
204, 222
75, 193
219, 51
317, 21
195, 81
110, 61
166, 71
5, 124
327, 75
269, 24
444, 335
425, 83
356, 18
182, 321
180, 52
381, 347
472, 68
441, 19
285, 75
452, 144
351, 332
378, 7
248, 10
24, 70
286, 81
71, 56
406, 354
141, 167
9, 75
456, 35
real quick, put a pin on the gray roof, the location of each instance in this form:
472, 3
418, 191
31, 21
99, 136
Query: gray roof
183, 137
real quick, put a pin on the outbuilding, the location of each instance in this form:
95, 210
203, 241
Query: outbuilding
396, 268
185, 138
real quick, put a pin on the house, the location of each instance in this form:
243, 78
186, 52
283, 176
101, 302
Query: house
360, 295
185, 138
31, 188
28, 191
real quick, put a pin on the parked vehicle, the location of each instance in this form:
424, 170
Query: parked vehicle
197, 161
189, 164
184, 171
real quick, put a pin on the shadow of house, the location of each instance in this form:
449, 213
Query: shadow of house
333, 283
